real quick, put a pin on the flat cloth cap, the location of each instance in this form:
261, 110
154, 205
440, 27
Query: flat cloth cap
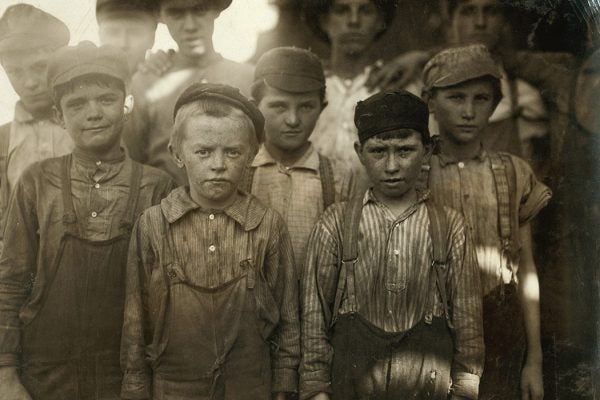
126, 6
224, 93
24, 27
290, 69
459, 64
219, 5
86, 58
389, 111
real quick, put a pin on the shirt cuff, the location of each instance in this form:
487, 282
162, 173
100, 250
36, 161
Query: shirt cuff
136, 386
285, 380
309, 389
9, 360
466, 385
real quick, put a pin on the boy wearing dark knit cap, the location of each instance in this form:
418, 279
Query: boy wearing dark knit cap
28, 37
62, 285
391, 305
499, 196
212, 293
288, 174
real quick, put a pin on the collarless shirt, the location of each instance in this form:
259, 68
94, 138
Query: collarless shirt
34, 228
469, 187
392, 283
296, 192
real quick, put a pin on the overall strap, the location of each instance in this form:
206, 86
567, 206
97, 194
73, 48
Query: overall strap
134, 195
352, 215
4, 188
327, 181
69, 217
438, 229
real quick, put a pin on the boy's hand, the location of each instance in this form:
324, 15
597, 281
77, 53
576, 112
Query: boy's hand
321, 396
532, 384
399, 72
157, 64
11, 386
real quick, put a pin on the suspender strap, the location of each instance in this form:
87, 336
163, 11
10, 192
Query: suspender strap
326, 173
4, 189
134, 195
69, 218
352, 215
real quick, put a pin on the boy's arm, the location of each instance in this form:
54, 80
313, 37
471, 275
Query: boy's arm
137, 377
467, 365
532, 387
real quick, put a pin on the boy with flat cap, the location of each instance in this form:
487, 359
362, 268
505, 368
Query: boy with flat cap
391, 305
191, 24
499, 196
128, 25
28, 37
62, 271
288, 174
212, 293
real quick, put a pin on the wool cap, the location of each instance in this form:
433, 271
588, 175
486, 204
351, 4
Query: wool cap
219, 5
24, 27
86, 58
290, 69
390, 111
227, 94
112, 7
459, 64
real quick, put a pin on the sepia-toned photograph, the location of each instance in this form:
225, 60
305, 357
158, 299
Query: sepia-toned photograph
299, 199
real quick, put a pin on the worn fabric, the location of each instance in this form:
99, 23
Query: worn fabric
296, 193
214, 247
34, 229
468, 186
392, 282
149, 127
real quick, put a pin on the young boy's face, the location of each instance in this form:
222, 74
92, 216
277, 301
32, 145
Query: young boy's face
478, 21
289, 117
352, 25
462, 111
191, 24
215, 151
27, 71
394, 164
133, 33
93, 115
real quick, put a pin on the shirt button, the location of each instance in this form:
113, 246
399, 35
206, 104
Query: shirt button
211, 216
397, 252
98, 162
212, 248
461, 165
94, 214
97, 186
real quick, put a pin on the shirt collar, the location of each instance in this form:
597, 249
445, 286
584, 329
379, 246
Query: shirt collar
90, 162
446, 159
310, 159
369, 196
245, 210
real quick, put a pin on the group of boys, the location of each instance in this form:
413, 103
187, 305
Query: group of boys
268, 272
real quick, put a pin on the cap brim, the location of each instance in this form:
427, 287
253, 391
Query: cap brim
294, 83
86, 69
467, 74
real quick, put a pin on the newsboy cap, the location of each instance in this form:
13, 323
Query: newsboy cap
108, 7
290, 69
24, 27
459, 64
219, 5
227, 94
86, 58
390, 111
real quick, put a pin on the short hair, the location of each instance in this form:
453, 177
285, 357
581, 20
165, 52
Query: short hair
258, 88
59, 91
213, 108
496, 86
452, 5
401, 133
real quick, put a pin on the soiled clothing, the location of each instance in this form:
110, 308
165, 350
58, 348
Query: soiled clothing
468, 186
213, 250
392, 285
296, 193
149, 127
35, 227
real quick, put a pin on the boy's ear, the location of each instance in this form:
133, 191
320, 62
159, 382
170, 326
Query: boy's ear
323, 105
358, 149
428, 152
128, 104
176, 157
58, 115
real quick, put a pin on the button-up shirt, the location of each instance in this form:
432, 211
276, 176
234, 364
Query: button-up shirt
468, 186
392, 276
210, 246
296, 192
148, 130
35, 228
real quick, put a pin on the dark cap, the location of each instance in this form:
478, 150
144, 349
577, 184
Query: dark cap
86, 58
389, 111
290, 69
108, 7
459, 64
227, 94
219, 5
24, 27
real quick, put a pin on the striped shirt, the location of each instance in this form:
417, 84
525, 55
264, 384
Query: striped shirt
296, 193
468, 186
391, 277
210, 247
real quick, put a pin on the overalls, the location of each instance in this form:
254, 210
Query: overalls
369, 363
216, 347
71, 338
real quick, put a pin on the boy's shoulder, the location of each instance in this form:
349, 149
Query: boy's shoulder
154, 175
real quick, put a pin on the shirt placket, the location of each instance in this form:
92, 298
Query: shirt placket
213, 249
286, 188
395, 281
